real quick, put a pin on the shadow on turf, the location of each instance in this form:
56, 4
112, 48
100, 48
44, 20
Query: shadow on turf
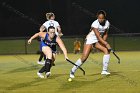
112, 73
32, 83
123, 77
23, 69
26, 84
77, 84
57, 75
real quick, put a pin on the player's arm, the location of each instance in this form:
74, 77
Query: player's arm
41, 34
97, 33
62, 46
59, 31
33, 37
42, 28
105, 36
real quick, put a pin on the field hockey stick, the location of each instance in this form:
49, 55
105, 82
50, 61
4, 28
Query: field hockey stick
77, 66
116, 56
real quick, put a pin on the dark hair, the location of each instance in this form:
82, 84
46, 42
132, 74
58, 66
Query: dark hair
51, 27
101, 12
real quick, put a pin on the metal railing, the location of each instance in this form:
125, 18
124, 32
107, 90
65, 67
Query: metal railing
18, 45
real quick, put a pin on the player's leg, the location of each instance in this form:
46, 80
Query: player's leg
78, 51
44, 57
41, 54
80, 61
48, 52
40, 58
53, 59
106, 57
52, 64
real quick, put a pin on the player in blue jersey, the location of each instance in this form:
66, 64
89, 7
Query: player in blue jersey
49, 42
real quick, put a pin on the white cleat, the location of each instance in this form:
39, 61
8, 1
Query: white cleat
40, 75
48, 74
105, 73
72, 75
40, 63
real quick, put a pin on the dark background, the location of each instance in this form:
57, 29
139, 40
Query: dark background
24, 17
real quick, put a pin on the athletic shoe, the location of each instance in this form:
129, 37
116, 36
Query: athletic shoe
48, 74
40, 75
105, 73
72, 75
40, 63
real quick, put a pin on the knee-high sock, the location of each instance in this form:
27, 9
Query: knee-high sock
42, 69
79, 63
41, 56
106, 59
48, 65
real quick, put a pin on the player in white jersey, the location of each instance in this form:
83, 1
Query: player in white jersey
51, 22
96, 38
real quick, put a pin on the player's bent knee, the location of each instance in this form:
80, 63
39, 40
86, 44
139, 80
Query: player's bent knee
106, 51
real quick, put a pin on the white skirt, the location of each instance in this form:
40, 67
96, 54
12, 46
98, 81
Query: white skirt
91, 39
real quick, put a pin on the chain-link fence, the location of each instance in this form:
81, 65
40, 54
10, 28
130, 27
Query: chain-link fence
119, 42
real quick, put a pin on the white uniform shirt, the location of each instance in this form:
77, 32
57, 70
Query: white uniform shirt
100, 28
91, 37
51, 23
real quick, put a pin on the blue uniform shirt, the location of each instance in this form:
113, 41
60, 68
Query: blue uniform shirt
52, 44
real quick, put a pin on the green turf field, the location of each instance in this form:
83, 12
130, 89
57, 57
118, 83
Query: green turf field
18, 75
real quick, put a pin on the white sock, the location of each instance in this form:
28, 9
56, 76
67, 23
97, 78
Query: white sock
79, 63
105, 61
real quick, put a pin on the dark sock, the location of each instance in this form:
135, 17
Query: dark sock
41, 56
42, 69
44, 57
48, 65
